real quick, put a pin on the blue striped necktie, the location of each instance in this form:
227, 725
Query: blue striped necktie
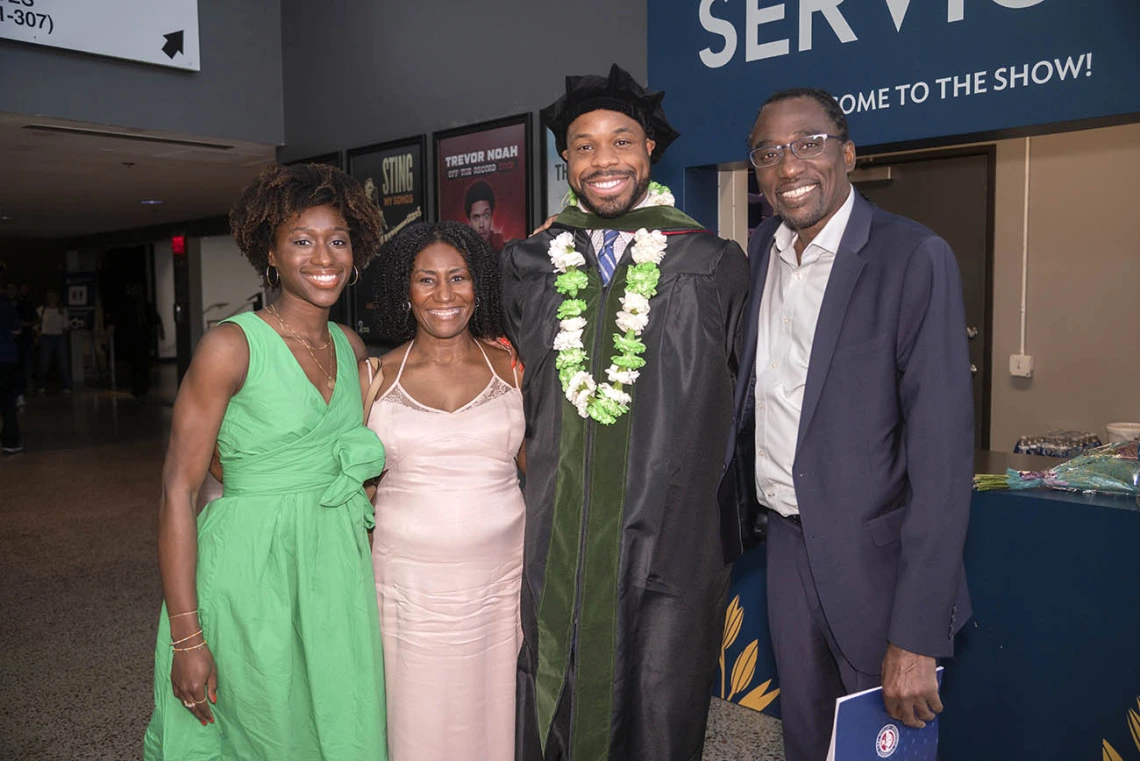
607, 262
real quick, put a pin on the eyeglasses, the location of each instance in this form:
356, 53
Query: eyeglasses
808, 147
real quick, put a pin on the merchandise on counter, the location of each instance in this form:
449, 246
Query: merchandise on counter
1057, 443
1110, 469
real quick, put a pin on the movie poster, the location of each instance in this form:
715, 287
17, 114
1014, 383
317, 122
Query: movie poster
483, 178
394, 175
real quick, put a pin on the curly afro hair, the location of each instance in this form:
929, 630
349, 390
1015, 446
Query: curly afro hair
395, 276
281, 192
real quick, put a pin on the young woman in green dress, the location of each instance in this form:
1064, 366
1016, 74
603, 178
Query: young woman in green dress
268, 644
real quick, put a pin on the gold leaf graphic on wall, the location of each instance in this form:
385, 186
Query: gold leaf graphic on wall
733, 618
1108, 753
744, 668
758, 699
1134, 724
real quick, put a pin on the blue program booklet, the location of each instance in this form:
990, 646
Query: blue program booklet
864, 731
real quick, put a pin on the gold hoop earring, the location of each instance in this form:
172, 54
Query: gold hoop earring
272, 283
355, 272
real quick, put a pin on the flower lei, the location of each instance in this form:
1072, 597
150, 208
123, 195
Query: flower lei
606, 402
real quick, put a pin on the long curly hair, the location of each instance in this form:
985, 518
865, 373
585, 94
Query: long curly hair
395, 275
281, 192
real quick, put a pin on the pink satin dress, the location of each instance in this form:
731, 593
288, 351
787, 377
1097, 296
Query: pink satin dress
447, 553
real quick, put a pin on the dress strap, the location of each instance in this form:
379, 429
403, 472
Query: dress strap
486, 359
490, 366
403, 362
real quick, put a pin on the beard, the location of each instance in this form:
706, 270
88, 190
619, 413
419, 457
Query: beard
803, 218
610, 208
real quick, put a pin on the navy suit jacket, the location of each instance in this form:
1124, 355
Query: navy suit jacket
883, 463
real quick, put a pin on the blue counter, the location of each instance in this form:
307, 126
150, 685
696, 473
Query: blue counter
1048, 668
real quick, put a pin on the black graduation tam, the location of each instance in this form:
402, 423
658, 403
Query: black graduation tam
618, 92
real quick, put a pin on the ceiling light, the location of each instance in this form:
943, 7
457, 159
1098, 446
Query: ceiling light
89, 132
151, 202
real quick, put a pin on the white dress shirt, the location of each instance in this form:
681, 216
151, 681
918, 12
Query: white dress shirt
789, 310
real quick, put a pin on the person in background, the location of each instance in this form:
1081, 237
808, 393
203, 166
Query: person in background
10, 441
268, 644
448, 545
479, 202
52, 326
136, 329
21, 297
854, 430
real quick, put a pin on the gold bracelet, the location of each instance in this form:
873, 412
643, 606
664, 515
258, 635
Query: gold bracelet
180, 615
186, 639
188, 649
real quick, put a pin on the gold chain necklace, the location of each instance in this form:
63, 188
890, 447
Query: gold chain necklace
330, 381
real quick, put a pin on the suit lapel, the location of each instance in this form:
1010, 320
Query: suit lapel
844, 274
759, 256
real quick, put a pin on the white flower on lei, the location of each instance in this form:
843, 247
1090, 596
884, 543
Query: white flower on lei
568, 339
562, 253
659, 195
624, 377
648, 246
627, 321
580, 390
609, 392
573, 325
634, 303
634, 314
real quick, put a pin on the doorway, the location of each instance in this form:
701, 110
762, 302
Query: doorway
951, 192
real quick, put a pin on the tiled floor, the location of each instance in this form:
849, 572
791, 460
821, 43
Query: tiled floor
80, 593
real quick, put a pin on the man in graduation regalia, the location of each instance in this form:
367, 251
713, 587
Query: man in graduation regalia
625, 313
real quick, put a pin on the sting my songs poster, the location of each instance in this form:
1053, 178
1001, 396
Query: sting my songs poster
394, 176
483, 178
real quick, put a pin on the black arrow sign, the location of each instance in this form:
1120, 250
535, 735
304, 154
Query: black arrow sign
173, 44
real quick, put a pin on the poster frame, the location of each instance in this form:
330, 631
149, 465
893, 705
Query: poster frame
526, 119
352, 157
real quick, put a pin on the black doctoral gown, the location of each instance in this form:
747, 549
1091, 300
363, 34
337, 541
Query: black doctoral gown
624, 578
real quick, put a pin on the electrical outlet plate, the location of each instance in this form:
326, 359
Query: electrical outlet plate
1021, 365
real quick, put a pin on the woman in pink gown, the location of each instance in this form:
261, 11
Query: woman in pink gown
448, 544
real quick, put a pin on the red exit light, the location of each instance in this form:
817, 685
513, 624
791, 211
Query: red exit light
178, 245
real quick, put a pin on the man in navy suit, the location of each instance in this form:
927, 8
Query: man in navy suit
854, 430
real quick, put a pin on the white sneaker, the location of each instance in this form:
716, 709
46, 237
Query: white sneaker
20, 401
12, 450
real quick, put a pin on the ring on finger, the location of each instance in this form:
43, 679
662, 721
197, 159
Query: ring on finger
188, 703
198, 702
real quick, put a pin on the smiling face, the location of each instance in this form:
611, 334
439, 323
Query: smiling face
607, 160
806, 193
313, 252
442, 291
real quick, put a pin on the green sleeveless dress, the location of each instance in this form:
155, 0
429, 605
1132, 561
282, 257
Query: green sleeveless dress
286, 596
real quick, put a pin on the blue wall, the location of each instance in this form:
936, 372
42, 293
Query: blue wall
1049, 666
1003, 65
